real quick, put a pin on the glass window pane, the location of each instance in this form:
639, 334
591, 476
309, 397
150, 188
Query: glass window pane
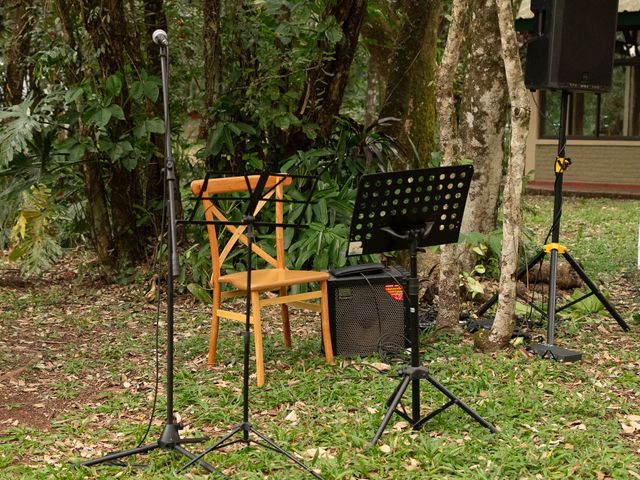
619, 109
583, 115
634, 102
549, 113
612, 106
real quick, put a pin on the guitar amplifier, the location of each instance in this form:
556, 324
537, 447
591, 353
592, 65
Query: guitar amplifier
368, 306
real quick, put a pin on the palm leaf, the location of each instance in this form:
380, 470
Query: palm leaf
18, 123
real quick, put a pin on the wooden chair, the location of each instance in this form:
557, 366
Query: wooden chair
276, 278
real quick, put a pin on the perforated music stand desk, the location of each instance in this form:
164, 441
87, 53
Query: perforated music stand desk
403, 211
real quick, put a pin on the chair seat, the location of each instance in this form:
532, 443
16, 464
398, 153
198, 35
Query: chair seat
270, 278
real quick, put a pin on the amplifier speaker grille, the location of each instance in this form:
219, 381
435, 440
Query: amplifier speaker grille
367, 311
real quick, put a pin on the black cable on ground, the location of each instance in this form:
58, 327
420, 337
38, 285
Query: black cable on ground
156, 269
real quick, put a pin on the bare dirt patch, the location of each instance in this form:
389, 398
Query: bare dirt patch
53, 330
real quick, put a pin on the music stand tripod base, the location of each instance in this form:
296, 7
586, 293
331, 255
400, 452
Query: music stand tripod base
245, 428
553, 352
403, 211
422, 373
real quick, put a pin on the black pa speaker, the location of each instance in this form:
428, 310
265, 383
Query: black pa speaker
573, 47
367, 309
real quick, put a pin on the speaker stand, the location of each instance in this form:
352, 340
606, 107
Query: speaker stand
548, 350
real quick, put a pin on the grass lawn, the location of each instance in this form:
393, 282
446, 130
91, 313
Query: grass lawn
77, 377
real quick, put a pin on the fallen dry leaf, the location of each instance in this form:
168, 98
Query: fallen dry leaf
383, 367
319, 452
412, 465
385, 448
628, 429
401, 425
292, 416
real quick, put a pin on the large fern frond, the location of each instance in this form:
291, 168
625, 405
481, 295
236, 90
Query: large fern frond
17, 125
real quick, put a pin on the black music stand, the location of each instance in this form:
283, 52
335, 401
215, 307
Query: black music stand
245, 427
406, 210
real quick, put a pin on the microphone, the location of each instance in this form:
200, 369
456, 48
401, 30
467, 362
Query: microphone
159, 37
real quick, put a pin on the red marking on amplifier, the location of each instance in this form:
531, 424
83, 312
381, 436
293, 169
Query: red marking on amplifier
395, 291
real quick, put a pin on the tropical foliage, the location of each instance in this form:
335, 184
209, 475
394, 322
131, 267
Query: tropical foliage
81, 126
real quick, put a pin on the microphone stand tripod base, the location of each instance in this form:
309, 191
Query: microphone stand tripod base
169, 440
553, 352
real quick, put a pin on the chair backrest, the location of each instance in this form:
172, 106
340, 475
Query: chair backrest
219, 186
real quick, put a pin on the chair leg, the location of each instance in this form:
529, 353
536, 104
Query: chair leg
286, 328
324, 317
215, 323
257, 335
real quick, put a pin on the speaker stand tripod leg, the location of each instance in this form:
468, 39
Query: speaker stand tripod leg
594, 289
494, 298
548, 350
553, 283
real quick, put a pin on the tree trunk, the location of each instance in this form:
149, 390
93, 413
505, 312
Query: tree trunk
212, 50
380, 37
211, 10
483, 112
409, 93
65, 11
98, 212
520, 111
448, 285
106, 24
97, 206
17, 54
325, 83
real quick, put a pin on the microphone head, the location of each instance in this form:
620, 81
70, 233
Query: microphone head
159, 37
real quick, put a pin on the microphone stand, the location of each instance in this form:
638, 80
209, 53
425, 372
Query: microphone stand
170, 437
